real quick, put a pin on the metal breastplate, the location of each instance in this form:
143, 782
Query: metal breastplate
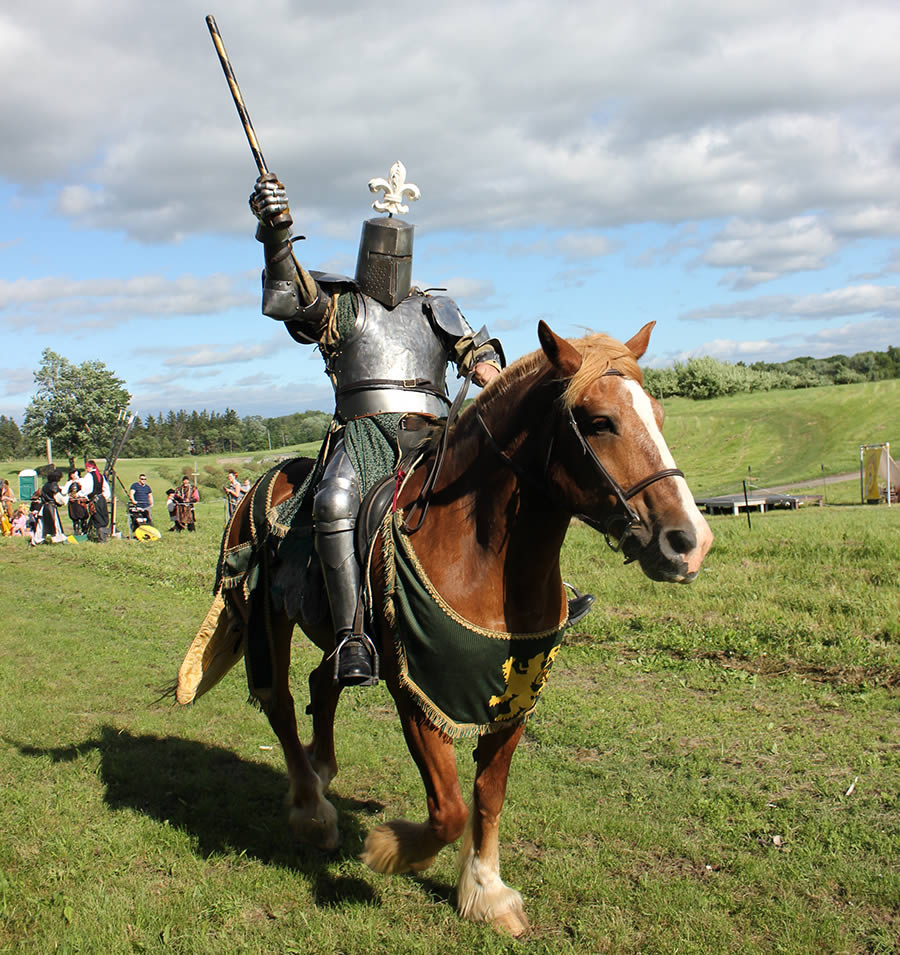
393, 361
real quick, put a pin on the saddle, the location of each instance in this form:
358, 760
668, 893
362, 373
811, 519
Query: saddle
416, 437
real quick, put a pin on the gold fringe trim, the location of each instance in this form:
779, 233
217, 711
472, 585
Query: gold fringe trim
434, 714
457, 618
441, 721
216, 648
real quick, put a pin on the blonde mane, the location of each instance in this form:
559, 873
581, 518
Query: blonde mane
599, 354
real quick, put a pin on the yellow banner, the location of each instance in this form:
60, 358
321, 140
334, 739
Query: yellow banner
873, 471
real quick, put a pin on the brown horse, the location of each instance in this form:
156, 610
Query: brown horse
565, 431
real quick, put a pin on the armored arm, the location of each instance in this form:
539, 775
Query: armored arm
468, 347
290, 293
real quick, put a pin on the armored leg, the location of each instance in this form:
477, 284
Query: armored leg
335, 508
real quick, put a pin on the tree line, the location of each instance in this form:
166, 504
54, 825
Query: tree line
176, 434
78, 406
701, 378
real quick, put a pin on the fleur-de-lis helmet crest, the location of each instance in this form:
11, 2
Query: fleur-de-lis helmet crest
384, 265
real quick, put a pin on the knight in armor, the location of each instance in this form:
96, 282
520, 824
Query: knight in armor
386, 347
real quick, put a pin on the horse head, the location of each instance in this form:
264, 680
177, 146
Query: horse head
611, 464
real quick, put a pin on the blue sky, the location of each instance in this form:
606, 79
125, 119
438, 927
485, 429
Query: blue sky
729, 171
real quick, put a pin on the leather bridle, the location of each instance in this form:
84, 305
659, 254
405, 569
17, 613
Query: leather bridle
629, 518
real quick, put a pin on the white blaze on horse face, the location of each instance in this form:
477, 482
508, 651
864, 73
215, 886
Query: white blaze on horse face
640, 400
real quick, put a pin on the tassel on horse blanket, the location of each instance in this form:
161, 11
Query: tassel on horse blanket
216, 648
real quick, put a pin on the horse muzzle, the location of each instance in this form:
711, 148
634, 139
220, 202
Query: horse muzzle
671, 554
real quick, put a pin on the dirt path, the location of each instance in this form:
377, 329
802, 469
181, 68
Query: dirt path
816, 482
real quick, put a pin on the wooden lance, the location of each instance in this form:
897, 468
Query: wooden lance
283, 219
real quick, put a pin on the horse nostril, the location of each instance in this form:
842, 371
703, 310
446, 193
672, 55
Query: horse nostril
681, 541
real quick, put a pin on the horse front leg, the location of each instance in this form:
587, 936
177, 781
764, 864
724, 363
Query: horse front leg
311, 815
404, 846
482, 896
323, 700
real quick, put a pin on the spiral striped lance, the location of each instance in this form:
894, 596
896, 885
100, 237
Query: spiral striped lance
283, 219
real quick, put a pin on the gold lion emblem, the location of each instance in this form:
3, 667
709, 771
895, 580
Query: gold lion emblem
524, 681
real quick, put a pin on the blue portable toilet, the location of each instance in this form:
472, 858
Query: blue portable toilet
28, 480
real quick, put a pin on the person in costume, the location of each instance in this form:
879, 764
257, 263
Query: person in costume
7, 499
79, 514
386, 347
185, 498
95, 490
48, 526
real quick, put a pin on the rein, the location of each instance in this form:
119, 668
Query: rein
424, 498
629, 519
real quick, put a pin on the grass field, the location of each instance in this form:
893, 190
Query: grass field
781, 436
713, 768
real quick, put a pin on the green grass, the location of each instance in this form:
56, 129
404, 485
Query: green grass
712, 768
782, 436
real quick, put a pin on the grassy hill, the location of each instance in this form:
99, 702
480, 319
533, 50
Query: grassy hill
783, 436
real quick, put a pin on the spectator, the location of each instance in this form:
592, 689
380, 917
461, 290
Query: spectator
232, 492
171, 505
20, 522
94, 488
185, 498
7, 499
141, 495
48, 526
79, 514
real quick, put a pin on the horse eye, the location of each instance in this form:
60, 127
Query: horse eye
601, 424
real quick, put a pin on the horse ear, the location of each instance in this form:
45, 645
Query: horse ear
566, 359
638, 345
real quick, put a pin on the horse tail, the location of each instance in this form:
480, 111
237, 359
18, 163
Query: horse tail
218, 646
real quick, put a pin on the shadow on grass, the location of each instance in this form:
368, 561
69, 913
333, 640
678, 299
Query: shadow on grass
229, 805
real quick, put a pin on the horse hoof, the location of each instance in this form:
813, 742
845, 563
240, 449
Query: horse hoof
319, 830
512, 922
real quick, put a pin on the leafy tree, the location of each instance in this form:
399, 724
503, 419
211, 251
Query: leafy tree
10, 437
76, 406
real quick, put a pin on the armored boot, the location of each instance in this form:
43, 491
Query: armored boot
334, 517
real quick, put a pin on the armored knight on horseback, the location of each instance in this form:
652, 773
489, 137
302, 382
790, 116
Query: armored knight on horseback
386, 347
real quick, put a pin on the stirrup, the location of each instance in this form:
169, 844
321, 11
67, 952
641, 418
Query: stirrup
355, 660
579, 605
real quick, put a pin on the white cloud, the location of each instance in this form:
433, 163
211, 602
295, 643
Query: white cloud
762, 251
869, 221
268, 400
56, 302
474, 292
853, 300
872, 335
18, 381
199, 356
654, 113
684, 238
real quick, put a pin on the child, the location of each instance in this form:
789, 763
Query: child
20, 522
